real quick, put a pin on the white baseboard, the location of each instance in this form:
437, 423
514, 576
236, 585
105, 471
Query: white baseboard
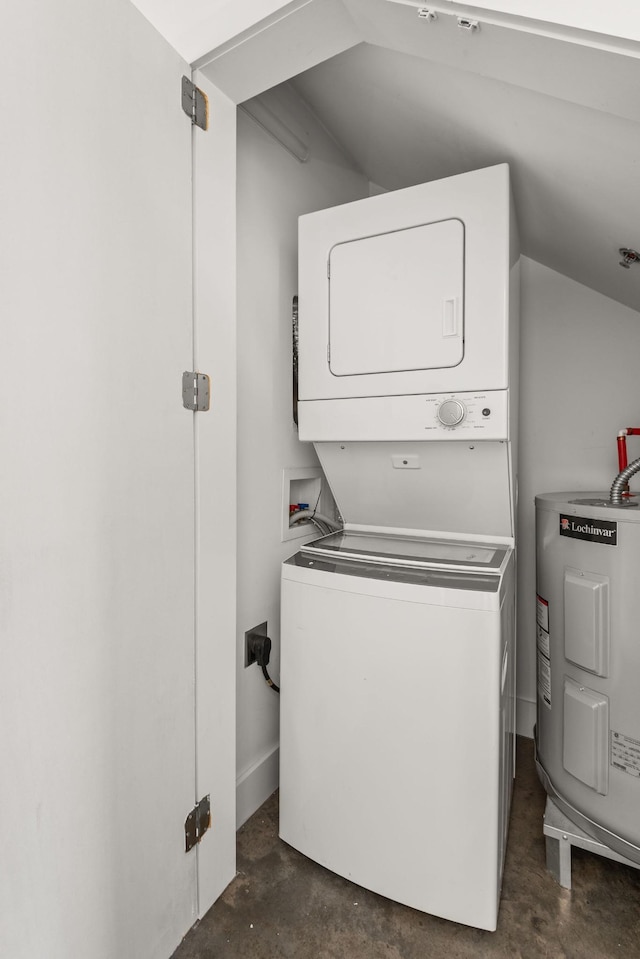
525, 717
256, 784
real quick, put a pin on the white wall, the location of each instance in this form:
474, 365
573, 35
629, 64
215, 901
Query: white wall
273, 190
620, 18
579, 386
195, 27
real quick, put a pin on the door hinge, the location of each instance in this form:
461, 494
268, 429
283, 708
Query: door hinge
197, 823
195, 104
196, 391
329, 354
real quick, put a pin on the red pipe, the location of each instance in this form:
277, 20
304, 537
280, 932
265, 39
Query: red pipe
623, 461
622, 452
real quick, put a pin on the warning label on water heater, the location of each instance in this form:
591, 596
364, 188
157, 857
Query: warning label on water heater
625, 753
542, 613
544, 650
544, 679
542, 637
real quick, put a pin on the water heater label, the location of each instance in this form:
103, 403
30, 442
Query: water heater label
543, 642
542, 612
625, 753
593, 530
544, 679
544, 650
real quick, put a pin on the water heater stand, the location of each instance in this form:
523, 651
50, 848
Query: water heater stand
561, 835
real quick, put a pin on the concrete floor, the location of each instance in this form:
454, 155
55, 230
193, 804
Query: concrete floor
283, 905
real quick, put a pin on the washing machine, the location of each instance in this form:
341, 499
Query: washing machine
397, 677
397, 633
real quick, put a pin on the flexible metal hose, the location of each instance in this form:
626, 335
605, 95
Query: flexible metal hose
306, 514
621, 480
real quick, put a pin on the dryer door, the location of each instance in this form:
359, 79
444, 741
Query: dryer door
409, 292
396, 301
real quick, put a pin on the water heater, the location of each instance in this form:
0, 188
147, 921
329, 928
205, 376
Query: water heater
588, 650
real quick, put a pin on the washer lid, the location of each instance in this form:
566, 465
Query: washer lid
417, 552
436, 488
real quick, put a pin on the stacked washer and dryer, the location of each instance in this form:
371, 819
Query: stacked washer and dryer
398, 635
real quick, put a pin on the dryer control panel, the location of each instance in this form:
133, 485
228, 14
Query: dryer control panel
478, 415
464, 415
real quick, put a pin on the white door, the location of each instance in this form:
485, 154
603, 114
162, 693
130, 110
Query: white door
97, 479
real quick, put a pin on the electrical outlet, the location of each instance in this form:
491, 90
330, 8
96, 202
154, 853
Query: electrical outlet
249, 655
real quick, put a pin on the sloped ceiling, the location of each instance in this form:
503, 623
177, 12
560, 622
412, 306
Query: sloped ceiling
413, 100
418, 102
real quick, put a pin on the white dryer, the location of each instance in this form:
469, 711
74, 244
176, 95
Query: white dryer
397, 639
408, 308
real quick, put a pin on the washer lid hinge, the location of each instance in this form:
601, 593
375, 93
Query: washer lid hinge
197, 823
196, 391
195, 103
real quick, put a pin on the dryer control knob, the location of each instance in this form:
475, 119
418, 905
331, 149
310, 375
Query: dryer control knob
451, 412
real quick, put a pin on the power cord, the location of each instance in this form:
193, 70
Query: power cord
315, 508
259, 646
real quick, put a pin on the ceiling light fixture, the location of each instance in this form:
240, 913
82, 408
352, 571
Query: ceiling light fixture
628, 257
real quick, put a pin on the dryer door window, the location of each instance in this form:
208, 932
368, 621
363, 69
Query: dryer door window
396, 301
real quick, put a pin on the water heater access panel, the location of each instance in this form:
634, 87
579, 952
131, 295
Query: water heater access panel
408, 292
